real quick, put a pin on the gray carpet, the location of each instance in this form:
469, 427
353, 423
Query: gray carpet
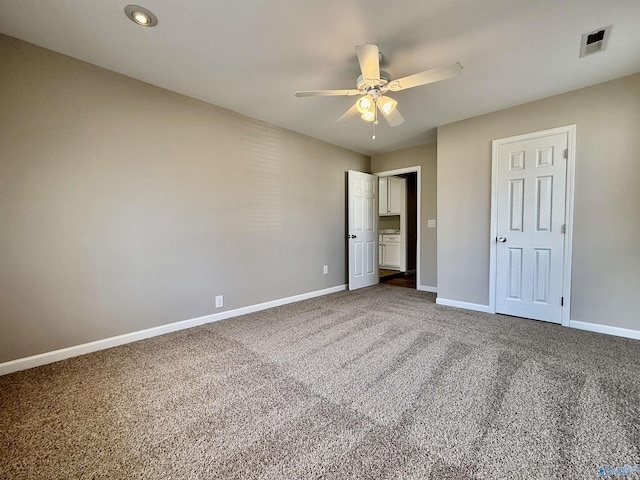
377, 383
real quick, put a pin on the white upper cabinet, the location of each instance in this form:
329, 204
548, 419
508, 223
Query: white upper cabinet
392, 195
396, 194
383, 195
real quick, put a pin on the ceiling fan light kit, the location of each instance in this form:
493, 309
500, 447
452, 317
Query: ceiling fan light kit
363, 104
374, 83
387, 104
369, 115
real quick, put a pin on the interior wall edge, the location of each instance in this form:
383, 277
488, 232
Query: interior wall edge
97, 345
605, 198
127, 207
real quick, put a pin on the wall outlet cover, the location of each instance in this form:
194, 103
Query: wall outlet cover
431, 223
219, 301
325, 269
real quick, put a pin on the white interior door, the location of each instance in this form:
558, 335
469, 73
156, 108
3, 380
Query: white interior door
531, 205
363, 229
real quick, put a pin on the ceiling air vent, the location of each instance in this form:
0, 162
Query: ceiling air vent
595, 41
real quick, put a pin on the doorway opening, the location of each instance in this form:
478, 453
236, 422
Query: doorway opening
399, 235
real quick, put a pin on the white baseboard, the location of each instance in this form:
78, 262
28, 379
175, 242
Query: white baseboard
592, 327
426, 288
63, 353
609, 330
466, 305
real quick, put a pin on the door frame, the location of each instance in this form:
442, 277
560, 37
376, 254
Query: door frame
570, 130
418, 171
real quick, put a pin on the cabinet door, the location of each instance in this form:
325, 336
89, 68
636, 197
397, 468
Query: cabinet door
395, 195
392, 254
383, 195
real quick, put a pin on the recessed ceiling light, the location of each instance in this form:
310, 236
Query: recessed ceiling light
141, 16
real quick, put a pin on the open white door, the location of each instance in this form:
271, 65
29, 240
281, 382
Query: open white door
362, 232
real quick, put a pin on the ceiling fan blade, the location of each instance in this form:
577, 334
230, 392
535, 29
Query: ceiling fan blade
352, 112
369, 59
326, 93
429, 76
393, 118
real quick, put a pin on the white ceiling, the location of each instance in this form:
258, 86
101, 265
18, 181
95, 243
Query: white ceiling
250, 56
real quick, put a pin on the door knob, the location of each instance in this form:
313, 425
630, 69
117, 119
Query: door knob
351, 236
502, 239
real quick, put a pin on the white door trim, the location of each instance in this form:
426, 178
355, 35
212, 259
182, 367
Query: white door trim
418, 171
570, 130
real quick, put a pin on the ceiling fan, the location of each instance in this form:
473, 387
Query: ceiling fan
374, 83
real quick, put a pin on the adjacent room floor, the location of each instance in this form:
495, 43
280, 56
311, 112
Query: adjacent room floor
398, 279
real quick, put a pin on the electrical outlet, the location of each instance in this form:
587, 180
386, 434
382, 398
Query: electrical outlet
325, 269
219, 301
431, 224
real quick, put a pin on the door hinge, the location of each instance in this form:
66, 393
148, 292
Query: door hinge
562, 301
566, 153
563, 228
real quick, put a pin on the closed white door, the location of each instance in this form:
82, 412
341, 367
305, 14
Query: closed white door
363, 229
531, 183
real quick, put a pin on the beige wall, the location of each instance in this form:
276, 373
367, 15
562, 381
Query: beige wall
424, 156
124, 206
606, 245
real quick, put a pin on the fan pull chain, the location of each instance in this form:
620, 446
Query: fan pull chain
375, 120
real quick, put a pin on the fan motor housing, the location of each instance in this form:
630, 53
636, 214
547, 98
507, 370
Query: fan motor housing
366, 84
